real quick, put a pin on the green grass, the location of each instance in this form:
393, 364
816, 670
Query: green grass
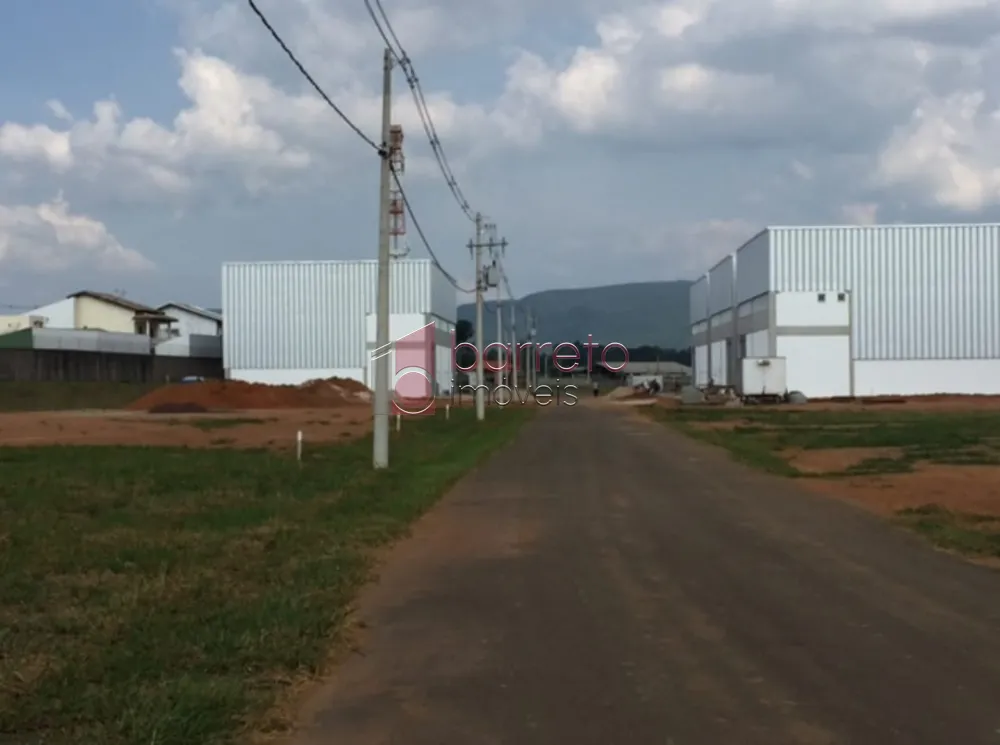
973, 535
167, 596
60, 396
760, 435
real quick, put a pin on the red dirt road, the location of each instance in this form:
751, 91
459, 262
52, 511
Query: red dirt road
606, 580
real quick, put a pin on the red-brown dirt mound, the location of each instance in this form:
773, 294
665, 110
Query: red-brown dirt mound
216, 395
346, 384
174, 408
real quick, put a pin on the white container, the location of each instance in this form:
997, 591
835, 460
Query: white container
764, 376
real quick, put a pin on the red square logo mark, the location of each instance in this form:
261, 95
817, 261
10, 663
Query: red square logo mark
412, 373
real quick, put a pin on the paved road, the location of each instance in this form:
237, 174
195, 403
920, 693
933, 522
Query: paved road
607, 581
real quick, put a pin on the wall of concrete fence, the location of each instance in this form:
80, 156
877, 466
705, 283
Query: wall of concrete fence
101, 367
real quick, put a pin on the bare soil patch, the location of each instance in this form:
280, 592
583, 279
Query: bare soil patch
274, 429
835, 460
966, 489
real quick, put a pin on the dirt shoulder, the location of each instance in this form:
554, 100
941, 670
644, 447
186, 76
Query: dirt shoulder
271, 429
933, 465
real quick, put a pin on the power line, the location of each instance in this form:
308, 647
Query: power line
7, 306
421, 103
423, 111
388, 25
312, 81
382, 151
423, 237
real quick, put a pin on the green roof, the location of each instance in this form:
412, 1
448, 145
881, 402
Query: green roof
23, 339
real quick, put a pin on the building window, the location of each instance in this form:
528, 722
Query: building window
841, 297
821, 297
743, 346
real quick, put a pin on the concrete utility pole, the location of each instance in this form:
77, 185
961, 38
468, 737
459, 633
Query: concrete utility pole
533, 367
476, 249
501, 358
513, 343
498, 250
380, 439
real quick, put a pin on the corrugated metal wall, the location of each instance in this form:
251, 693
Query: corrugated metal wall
753, 267
311, 314
698, 295
720, 286
918, 291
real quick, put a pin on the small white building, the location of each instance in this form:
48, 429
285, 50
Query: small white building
102, 311
10, 324
291, 321
856, 311
192, 320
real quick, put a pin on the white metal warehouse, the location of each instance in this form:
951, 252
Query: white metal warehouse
856, 311
292, 321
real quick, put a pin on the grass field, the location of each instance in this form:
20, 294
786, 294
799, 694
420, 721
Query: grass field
60, 396
884, 445
168, 596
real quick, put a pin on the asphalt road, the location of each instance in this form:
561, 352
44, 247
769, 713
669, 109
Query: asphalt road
607, 581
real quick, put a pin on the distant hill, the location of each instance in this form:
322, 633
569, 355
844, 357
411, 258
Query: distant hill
635, 314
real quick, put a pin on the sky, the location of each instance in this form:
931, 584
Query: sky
145, 142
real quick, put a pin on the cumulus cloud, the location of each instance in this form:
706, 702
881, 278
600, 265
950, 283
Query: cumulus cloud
226, 124
862, 213
245, 126
949, 152
747, 112
691, 72
48, 237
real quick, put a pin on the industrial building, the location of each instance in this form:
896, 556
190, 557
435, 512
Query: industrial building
292, 321
853, 311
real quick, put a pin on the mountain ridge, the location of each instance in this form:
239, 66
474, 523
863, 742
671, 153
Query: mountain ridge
632, 314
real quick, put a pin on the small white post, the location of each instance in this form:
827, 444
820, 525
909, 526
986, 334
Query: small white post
447, 412
399, 422
298, 447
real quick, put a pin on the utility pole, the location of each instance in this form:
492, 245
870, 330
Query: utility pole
380, 428
532, 373
513, 343
498, 249
495, 279
502, 359
476, 249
